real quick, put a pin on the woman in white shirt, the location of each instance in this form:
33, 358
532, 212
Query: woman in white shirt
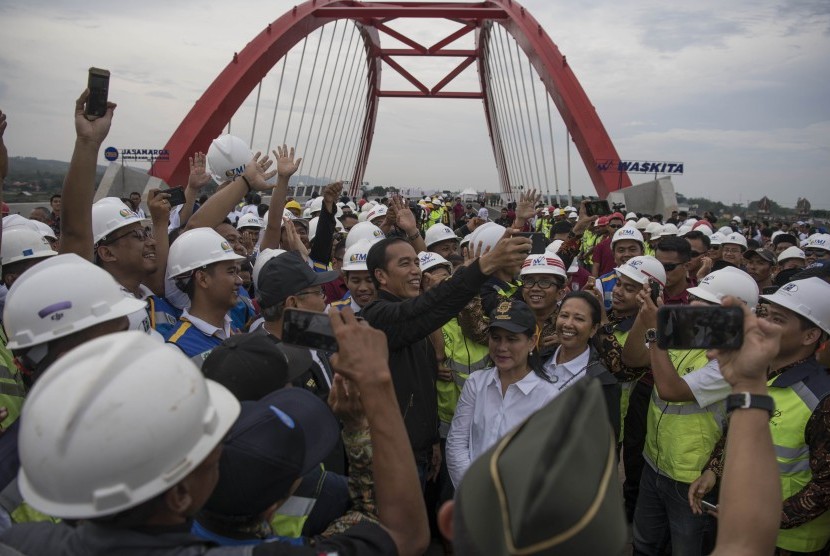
496, 400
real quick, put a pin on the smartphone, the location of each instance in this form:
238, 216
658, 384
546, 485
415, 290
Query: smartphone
597, 208
655, 290
708, 506
692, 327
538, 242
99, 86
308, 329
176, 195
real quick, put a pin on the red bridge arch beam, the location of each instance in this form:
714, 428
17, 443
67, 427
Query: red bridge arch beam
589, 135
214, 109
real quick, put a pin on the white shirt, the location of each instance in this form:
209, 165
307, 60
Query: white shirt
483, 213
707, 384
566, 374
208, 329
483, 415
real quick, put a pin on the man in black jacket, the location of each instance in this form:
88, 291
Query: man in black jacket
408, 316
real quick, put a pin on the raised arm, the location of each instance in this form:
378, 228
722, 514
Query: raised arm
405, 220
196, 180
4, 160
79, 184
363, 359
159, 205
286, 166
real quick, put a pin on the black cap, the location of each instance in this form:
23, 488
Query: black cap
514, 316
285, 275
785, 238
764, 254
274, 442
250, 366
819, 269
561, 227
522, 496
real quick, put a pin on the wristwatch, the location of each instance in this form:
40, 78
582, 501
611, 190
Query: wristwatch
745, 400
651, 336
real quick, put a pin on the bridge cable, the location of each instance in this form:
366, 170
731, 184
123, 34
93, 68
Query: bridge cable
552, 149
319, 91
539, 130
537, 184
256, 111
310, 83
276, 102
294, 94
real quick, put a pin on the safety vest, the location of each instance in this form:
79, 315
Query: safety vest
621, 335
649, 250
12, 390
436, 216
463, 356
292, 515
164, 316
589, 240
11, 501
680, 436
544, 225
797, 393
608, 281
193, 342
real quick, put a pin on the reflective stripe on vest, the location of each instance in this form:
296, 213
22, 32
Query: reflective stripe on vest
19, 511
680, 436
290, 518
794, 405
608, 281
463, 356
625, 387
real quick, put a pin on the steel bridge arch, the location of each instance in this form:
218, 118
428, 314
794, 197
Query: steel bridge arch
214, 109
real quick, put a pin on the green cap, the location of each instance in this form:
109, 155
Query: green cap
548, 487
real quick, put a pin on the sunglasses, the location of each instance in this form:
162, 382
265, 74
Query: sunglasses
614, 226
815, 252
668, 267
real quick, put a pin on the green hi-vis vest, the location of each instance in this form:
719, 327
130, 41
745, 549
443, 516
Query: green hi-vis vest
12, 390
291, 516
589, 240
649, 250
797, 393
463, 356
19, 511
544, 225
436, 216
625, 387
680, 436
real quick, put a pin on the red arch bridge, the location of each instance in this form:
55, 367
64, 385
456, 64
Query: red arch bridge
326, 103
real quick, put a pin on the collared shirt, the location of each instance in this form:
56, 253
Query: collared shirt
483, 415
208, 329
565, 374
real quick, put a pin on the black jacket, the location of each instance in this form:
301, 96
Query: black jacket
407, 324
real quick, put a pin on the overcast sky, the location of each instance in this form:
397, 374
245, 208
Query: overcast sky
736, 90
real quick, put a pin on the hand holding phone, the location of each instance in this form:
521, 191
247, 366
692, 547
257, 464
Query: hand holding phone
597, 208
709, 507
692, 327
308, 329
654, 286
98, 84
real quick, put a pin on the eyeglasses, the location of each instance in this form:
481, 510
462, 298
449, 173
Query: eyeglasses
543, 283
695, 254
139, 234
668, 267
816, 252
319, 292
614, 226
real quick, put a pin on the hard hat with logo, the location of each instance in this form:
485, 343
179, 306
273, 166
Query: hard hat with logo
627, 232
377, 211
809, 298
428, 261
227, 157
486, 235
21, 243
735, 239
716, 239
791, 253
116, 422
819, 241
249, 220
60, 296
363, 230
727, 281
355, 256
438, 233
546, 263
642, 269
316, 204
109, 215
196, 249
264, 256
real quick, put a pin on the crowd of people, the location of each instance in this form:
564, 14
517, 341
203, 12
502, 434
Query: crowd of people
474, 391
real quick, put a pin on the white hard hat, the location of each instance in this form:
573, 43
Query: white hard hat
683, 230
553, 246
45, 230
654, 228
285, 214
367, 206
116, 422
438, 233
249, 220
642, 224
725, 230
198, 248
60, 296
361, 217
21, 243
627, 232
338, 225
486, 235
15, 220
690, 222
316, 204
736, 239
716, 238
737, 219
809, 298
428, 260
669, 230
569, 208
363, 230
351, 205
227, 157
108, 215
791, 253
573, 214
378, 211
631, 216
546, 212
306, 213
704, 229
264, 256
642, 269
727, 281
816, 241
355, 256
312, 227
548, 263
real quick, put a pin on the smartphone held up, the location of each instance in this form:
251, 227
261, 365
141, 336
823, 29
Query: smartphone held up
98, 84
308, 329
693, 327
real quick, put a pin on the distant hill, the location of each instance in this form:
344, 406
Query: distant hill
35, 179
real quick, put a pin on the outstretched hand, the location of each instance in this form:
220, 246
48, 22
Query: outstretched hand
525, 208
257, 174
93, 131
286, 165
198, 177
158, 203
404, 219
344, 400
